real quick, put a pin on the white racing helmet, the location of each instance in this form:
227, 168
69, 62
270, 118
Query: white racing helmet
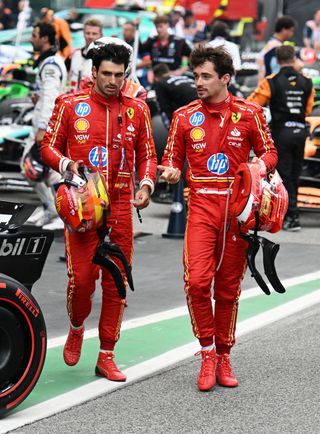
106, 40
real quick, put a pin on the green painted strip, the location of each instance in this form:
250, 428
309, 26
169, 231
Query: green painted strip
261, 303
135, 346
140, 344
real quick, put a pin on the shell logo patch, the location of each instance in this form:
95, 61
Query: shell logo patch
197, 134
235, 117
130, 112
81, 125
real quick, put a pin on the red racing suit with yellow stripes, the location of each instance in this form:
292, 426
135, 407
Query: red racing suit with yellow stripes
214, 140
112, 134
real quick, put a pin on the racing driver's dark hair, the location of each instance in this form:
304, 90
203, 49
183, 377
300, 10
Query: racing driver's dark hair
47, 29
221, 60
118, 54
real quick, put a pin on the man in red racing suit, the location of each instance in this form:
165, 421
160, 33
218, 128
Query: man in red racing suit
214, 134
101, 126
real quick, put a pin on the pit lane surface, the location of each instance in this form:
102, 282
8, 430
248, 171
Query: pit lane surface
158, 277
279, 389
157, 267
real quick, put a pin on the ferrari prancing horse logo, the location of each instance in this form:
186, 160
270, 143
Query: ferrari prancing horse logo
130, 112
235, 117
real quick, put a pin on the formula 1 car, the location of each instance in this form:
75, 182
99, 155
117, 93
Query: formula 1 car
23, 337
16, 110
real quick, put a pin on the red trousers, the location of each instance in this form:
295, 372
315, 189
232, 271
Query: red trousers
202, 253
82, 273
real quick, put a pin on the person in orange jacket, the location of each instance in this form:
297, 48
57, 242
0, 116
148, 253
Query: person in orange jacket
290, 96
64, 39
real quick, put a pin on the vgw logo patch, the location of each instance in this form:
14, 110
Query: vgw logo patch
218, 164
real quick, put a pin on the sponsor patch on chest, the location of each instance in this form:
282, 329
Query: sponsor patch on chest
82, 138
81, 125
197, 119
82, 109
218, 163
199, 147
98, 156
197, 134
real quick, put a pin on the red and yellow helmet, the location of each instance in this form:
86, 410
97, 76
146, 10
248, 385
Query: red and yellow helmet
254, 191
81, 202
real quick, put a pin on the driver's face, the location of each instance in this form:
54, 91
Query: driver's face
109, 78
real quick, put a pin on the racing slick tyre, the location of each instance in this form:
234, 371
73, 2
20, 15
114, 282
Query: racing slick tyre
23, 340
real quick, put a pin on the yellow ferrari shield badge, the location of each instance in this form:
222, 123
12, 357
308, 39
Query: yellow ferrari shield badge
235, 117
130, 112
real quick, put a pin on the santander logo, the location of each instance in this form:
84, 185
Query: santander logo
235, 132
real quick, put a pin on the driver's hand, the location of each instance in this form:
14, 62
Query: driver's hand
169, 174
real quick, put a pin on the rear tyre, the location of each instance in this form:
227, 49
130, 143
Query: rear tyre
23, 340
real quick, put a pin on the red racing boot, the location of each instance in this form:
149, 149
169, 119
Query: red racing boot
225, 376
207, 375
107, 368
72, 348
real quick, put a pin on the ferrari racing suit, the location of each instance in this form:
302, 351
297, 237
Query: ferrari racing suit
111, 134
215, 139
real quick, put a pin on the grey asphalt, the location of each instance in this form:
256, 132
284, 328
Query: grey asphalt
277, 366
157, 269
278, 371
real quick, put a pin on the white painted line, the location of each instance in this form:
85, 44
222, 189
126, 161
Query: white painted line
287, 283
180, 311
142, 370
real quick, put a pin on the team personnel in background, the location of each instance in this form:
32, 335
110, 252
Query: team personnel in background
172, 91
167, 48
283, 31
143, 61
25, 17
80, 64
214, 134
176, 21
50, 83
220, 34
64, 38
290, 96
7, 18
193, 30
102, 127
311, 32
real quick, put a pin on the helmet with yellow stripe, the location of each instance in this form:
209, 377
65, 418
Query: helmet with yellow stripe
82, 202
